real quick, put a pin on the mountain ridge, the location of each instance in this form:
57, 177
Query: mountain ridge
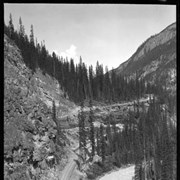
140, 47
154, 59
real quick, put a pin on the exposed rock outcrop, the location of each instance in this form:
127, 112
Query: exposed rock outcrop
29, 131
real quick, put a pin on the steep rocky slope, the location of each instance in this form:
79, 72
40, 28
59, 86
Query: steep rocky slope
29, 131
155, 59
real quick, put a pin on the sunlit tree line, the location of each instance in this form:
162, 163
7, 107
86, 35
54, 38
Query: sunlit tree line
77, 81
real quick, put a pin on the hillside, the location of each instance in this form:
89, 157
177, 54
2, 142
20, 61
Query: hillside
155, 59
29, 129
48, 136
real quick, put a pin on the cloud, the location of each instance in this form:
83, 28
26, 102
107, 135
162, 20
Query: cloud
70, 53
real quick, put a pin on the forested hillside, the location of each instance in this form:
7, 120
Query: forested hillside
154, 60
78, 81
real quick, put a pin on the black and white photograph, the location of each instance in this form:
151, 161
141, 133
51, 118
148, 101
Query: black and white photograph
90, 91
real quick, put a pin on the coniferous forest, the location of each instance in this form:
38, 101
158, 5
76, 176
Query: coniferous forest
148, 137
78, 81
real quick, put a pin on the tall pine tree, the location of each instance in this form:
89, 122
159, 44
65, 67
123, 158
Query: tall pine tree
102, 142
11, 27
31, 37
91, 120
82, 132
21, 28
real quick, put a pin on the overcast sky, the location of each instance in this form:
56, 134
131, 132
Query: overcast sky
104, 32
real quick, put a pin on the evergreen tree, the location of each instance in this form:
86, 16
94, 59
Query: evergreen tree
80, 129
6, 29
97, 80
11, 27
72, 79
82, 133
57, 139
43, 57
102, 143
139, 175
85, 82
97, 143
53, 61
110, 138
21, 28
166, 150
81, 81
117, 154
114, 129
114, 85
31, 37
58, 127
91, 120
106, 86
91, 82
101, 80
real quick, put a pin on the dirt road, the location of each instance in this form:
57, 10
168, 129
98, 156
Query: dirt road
68, 171
71, 166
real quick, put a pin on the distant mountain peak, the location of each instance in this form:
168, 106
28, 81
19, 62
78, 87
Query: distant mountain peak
154, 58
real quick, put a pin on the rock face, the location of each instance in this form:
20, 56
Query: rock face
29, 131
155, 59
